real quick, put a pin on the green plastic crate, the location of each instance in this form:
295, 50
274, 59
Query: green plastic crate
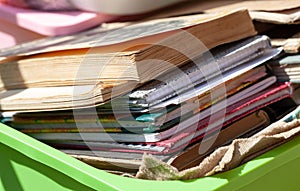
27, 164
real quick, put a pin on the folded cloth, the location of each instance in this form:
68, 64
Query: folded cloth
224, 158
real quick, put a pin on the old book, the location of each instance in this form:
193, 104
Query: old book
291, 16
290, 45
286, 68
61, 97
271, 11
125, 54
193, 155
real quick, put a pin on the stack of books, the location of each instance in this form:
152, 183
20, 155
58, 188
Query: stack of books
176, 88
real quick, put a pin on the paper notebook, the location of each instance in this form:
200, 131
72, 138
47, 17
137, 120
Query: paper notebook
286, 68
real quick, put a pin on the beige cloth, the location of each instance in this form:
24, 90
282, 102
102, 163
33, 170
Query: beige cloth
224, 158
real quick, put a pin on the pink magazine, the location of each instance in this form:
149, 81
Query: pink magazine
53, 23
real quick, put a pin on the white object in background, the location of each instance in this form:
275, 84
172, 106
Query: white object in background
122, 7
